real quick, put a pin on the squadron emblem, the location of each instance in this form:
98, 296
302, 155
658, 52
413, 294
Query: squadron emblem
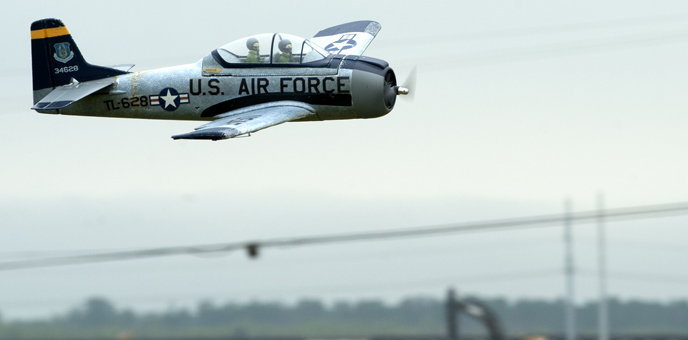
171, 99
62, 52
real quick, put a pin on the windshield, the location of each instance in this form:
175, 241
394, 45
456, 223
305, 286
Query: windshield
269, 48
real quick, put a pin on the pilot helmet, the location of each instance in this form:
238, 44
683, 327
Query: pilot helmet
283, 46
250, 42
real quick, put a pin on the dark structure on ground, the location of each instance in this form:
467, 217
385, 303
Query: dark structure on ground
475, 309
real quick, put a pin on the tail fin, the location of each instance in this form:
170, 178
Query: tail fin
56, 59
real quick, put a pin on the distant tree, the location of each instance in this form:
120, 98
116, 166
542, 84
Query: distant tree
96, 312
342, 310
100, 312
127, 318
310, 316
370, 310
419, 311
272, 312
677, 314
177, 318
207, 314
309, 309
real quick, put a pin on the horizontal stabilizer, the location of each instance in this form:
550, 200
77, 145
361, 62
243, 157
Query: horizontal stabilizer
250, 120
64, 95
123, 67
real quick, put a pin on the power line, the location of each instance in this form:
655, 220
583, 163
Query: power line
533, 30
427, 250
252, 247
634, 276
641, 246
550, 50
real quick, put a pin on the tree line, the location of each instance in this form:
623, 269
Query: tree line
98, 317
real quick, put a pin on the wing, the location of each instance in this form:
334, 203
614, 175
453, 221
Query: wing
249, 120
64, 95
351, 38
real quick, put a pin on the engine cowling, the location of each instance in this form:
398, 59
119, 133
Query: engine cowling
373, 88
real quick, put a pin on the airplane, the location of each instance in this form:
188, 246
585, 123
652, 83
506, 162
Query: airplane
242, 87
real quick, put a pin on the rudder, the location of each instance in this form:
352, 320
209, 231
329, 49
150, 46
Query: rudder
56, 59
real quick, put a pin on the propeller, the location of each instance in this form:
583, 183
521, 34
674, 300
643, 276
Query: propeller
408, 89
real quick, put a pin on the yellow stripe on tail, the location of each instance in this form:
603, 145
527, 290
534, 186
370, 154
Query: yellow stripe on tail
49, 33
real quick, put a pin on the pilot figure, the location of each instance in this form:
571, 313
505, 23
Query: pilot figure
285, 56
253, 51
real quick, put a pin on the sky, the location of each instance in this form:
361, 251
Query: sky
520, 105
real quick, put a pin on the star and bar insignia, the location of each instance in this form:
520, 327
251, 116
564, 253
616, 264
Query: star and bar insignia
169, 99
345, 42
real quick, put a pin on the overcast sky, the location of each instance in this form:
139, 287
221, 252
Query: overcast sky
519, 105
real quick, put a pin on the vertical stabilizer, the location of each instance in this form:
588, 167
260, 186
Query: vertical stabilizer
56, 59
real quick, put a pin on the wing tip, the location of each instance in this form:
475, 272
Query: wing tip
209, 134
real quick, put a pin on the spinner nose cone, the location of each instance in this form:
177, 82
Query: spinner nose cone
402, 90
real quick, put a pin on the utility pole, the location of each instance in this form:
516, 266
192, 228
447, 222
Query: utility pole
569, 305
603, 317
452, 317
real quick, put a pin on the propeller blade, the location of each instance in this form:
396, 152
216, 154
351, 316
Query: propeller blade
410, 84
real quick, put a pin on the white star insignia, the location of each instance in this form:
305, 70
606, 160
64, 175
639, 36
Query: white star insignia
169, 99
339, 46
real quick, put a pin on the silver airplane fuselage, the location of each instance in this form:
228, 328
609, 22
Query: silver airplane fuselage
240, 93
334, 93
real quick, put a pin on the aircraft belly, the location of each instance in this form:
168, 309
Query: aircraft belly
327, 112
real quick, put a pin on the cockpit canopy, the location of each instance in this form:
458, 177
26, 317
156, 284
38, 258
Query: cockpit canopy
272, 48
